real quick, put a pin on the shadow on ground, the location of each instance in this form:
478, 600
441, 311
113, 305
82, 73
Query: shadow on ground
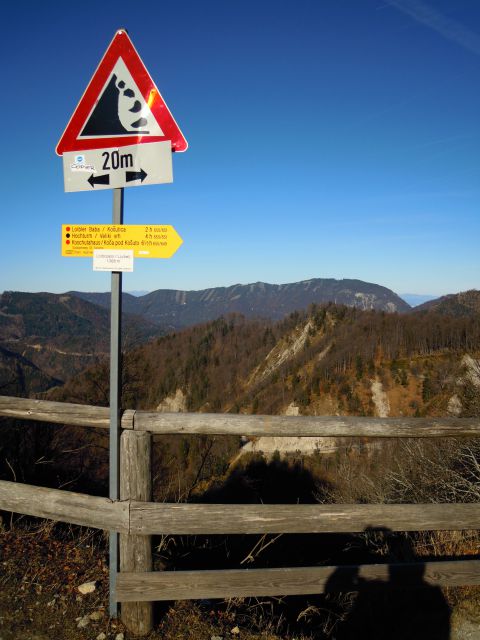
401, 606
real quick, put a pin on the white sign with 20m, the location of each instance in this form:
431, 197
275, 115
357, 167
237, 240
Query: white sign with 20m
129, 166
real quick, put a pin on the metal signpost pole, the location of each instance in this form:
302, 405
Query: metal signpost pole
115, 399
96, 155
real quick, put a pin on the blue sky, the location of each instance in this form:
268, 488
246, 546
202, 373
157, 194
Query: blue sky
328, 138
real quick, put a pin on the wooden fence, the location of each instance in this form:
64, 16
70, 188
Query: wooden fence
137, 518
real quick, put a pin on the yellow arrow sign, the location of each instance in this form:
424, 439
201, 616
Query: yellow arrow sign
146, 241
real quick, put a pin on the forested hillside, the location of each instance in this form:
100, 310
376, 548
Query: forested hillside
322, 361
46, 338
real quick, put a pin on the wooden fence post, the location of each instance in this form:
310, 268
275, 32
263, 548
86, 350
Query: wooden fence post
136, 550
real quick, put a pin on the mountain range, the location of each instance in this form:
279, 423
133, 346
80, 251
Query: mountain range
47, 339
177, 309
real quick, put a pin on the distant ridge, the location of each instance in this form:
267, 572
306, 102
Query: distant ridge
465, 303
415, 299
259, 299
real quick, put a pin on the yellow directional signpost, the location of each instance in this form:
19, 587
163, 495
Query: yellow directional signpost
145, 240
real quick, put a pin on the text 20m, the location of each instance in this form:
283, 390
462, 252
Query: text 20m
117, 160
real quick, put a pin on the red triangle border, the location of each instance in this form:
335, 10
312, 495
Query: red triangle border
121, 46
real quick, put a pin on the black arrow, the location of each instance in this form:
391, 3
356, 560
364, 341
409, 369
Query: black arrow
93, 180
135, 175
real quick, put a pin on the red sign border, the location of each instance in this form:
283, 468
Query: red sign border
120, 46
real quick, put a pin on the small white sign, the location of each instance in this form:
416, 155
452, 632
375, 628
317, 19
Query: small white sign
112, 260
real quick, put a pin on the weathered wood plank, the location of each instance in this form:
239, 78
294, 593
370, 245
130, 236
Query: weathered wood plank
166, 518
64, 506
316, 426
61, 412
190, 585
55, 412
234, 424
136, 550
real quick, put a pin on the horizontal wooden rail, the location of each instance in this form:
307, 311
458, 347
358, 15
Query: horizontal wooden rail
147, 518
240, 425
316, 426
240, 583
64, 506
60, 412
162, 518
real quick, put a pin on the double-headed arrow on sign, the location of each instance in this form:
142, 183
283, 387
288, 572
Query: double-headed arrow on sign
130, 176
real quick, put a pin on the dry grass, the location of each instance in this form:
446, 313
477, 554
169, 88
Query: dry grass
43, 563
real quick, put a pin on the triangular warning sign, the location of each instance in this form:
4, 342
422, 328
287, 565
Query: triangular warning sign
121, 106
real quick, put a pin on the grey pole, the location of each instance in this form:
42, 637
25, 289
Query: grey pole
115, 400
